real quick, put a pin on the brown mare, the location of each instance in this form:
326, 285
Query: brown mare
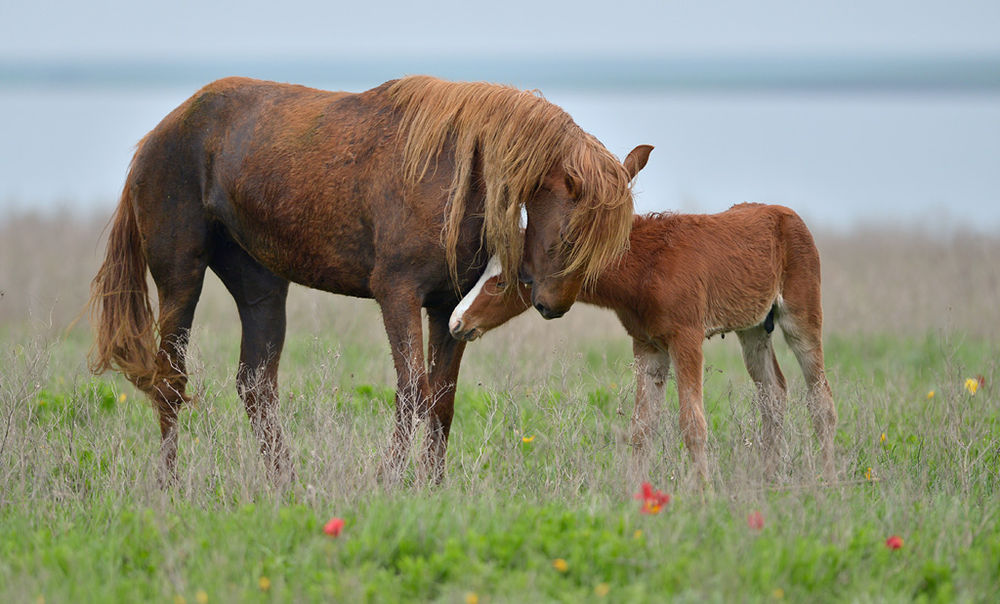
399, 193
686, 278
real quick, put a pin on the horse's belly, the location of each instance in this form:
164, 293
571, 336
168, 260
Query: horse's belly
338, 260
335, 277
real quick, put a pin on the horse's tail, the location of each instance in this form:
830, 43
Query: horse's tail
119, 303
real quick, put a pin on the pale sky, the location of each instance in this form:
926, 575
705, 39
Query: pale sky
192, 29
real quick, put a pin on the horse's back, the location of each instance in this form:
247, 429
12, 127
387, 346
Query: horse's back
285, 170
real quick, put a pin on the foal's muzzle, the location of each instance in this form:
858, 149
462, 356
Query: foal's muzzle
459, 332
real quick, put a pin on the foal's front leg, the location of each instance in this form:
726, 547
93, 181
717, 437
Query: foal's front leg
401, 316
686, 354
651, 368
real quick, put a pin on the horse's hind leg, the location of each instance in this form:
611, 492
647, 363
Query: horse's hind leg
177, 264
260, 299
444, 358
762, 365
801, 319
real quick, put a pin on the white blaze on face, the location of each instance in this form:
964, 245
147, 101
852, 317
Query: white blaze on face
493, 269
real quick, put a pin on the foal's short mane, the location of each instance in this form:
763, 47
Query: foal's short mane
520, 137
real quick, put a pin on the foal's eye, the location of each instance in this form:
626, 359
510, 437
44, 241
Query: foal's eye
501, 285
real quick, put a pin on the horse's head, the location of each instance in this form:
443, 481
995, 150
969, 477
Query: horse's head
564, 241
489, 304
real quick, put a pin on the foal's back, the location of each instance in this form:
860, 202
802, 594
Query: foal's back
725, 271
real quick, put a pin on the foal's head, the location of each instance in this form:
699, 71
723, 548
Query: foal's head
488, 305
563, 240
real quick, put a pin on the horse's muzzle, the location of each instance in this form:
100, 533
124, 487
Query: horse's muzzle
547, 312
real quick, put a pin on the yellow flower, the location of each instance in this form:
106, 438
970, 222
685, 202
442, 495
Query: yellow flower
527, 439
471, 598
560, 565
602, 589
778, 593
972, 385
868, 474
881, 439
637, 534
265, 583
122, 397
930, 395
201, 597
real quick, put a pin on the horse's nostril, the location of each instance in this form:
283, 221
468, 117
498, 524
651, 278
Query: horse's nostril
456, 326
547, 312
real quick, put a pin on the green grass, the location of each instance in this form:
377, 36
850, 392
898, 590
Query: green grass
403, 547
82, 518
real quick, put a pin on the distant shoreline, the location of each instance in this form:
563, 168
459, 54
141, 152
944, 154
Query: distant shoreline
905, 74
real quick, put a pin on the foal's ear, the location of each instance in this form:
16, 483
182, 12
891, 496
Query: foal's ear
636, 160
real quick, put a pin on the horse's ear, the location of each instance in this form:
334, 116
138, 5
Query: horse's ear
573, 187
637, 159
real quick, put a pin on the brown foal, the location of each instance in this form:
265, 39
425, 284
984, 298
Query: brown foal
684, 279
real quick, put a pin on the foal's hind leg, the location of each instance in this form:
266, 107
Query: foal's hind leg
444, 358
801, 321
762, 365
260, 299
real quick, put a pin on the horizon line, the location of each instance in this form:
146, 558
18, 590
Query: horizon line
847, 72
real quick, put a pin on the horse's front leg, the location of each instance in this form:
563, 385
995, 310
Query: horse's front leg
445, 357
401, 316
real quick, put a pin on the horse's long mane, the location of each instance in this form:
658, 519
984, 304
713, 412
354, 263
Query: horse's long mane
519, 137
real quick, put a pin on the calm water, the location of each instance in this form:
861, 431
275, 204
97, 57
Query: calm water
839, 159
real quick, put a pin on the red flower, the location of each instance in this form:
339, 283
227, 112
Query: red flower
334, 527
755, 520
652, 501
981, 380
894, 542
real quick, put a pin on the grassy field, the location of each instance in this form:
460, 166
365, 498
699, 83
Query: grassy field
538, 504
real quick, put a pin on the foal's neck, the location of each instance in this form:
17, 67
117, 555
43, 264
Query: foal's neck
623, 284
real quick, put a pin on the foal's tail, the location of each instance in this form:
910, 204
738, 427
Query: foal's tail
119, 303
